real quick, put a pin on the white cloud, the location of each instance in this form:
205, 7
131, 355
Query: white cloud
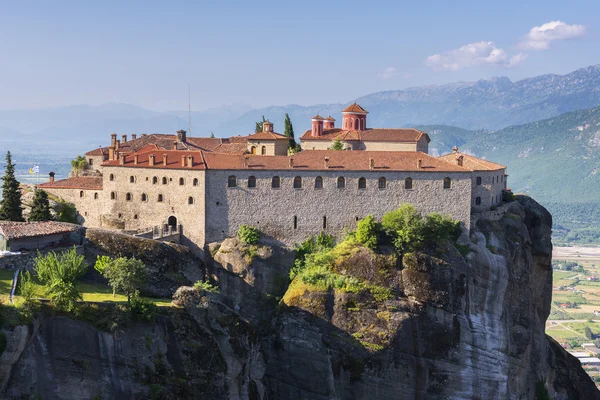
391, 72
540, 37
473, 54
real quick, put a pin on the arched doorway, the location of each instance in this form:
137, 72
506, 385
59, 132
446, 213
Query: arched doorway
172, 223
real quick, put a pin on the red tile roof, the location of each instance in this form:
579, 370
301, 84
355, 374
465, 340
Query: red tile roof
342, 160
354, 108
471, 162
318, 117
79, 182
18, 230
330, 118
98, 152
401, 135
173, 160
267, 136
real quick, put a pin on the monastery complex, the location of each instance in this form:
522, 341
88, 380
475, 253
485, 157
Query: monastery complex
203, 189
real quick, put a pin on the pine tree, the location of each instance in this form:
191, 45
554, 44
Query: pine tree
10, 206
289, 132
337, 145
40, 209
259, 125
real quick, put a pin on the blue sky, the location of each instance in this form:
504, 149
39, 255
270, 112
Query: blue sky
57, 53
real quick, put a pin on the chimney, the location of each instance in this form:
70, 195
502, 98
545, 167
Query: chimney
455, 149
317, 126
190, 161
113, 140
151, 159
111, 153
267, 126
165, 160
133, 136
326, 162
175, 145
124, 139
122, 159
136, 159
245, 162
459, 161
51, 177
371, 163
117, 144
181, 136
291, 162
419, 164
183, 161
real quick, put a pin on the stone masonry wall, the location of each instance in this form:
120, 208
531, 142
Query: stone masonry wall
88, 203
490, 190
273, 210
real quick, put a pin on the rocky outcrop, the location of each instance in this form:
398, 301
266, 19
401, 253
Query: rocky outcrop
439, 324
169, 265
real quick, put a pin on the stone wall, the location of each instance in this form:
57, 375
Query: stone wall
273, 210
88, 203
272, 147
490, 189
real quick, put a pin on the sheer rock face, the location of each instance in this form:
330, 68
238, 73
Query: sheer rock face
456, 327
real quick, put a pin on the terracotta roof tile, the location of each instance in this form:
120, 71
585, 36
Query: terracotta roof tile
79, 182
267, 136
98, 152
471, 162
330, 118
338, 160
401, 135
318, 117
19, 230
354, 108
173, 160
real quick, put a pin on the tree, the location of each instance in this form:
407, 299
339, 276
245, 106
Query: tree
588, 333
58, 273
259, 125
289, 132
40, 209
124, 274
78, 165
404, 226
437, 227
337, 145
366, 232
10, 205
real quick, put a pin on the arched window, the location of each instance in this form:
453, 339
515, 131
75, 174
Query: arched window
276, 182
263, 150
447, 183
128, 196
111, 177
155, 180
160, 198
132, 179
181, 181
195, 181
190, 200
251, 181
144, 197
297, 183
318, 182
231, 181
382, 183
81, 194
95, 196
408, 183
113, 196
253, 150
362, 183
341, 182
164, 180
356, 124
478, 180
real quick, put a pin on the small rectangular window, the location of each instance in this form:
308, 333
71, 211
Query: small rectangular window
295, 222
324, 222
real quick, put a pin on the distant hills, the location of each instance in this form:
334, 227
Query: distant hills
556, 160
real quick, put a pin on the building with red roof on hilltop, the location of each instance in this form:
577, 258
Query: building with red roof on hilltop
204, 189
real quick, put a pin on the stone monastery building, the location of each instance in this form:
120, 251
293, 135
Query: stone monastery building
203, 189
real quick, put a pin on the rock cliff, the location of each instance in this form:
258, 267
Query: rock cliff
465, 324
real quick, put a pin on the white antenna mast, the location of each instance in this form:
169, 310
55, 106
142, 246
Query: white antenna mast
189, 132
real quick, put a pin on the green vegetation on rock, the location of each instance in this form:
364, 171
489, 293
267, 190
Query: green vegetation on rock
248, 234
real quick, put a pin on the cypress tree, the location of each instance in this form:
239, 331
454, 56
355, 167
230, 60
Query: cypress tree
259, 125
289, 132
10, 206
40, 209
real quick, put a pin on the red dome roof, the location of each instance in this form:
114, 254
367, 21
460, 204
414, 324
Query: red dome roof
354, 108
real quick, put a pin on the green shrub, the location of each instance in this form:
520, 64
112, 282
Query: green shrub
366, 232
206, 286
26, 287
66, 212
142, 309
324, 240
248, 234
102, 262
